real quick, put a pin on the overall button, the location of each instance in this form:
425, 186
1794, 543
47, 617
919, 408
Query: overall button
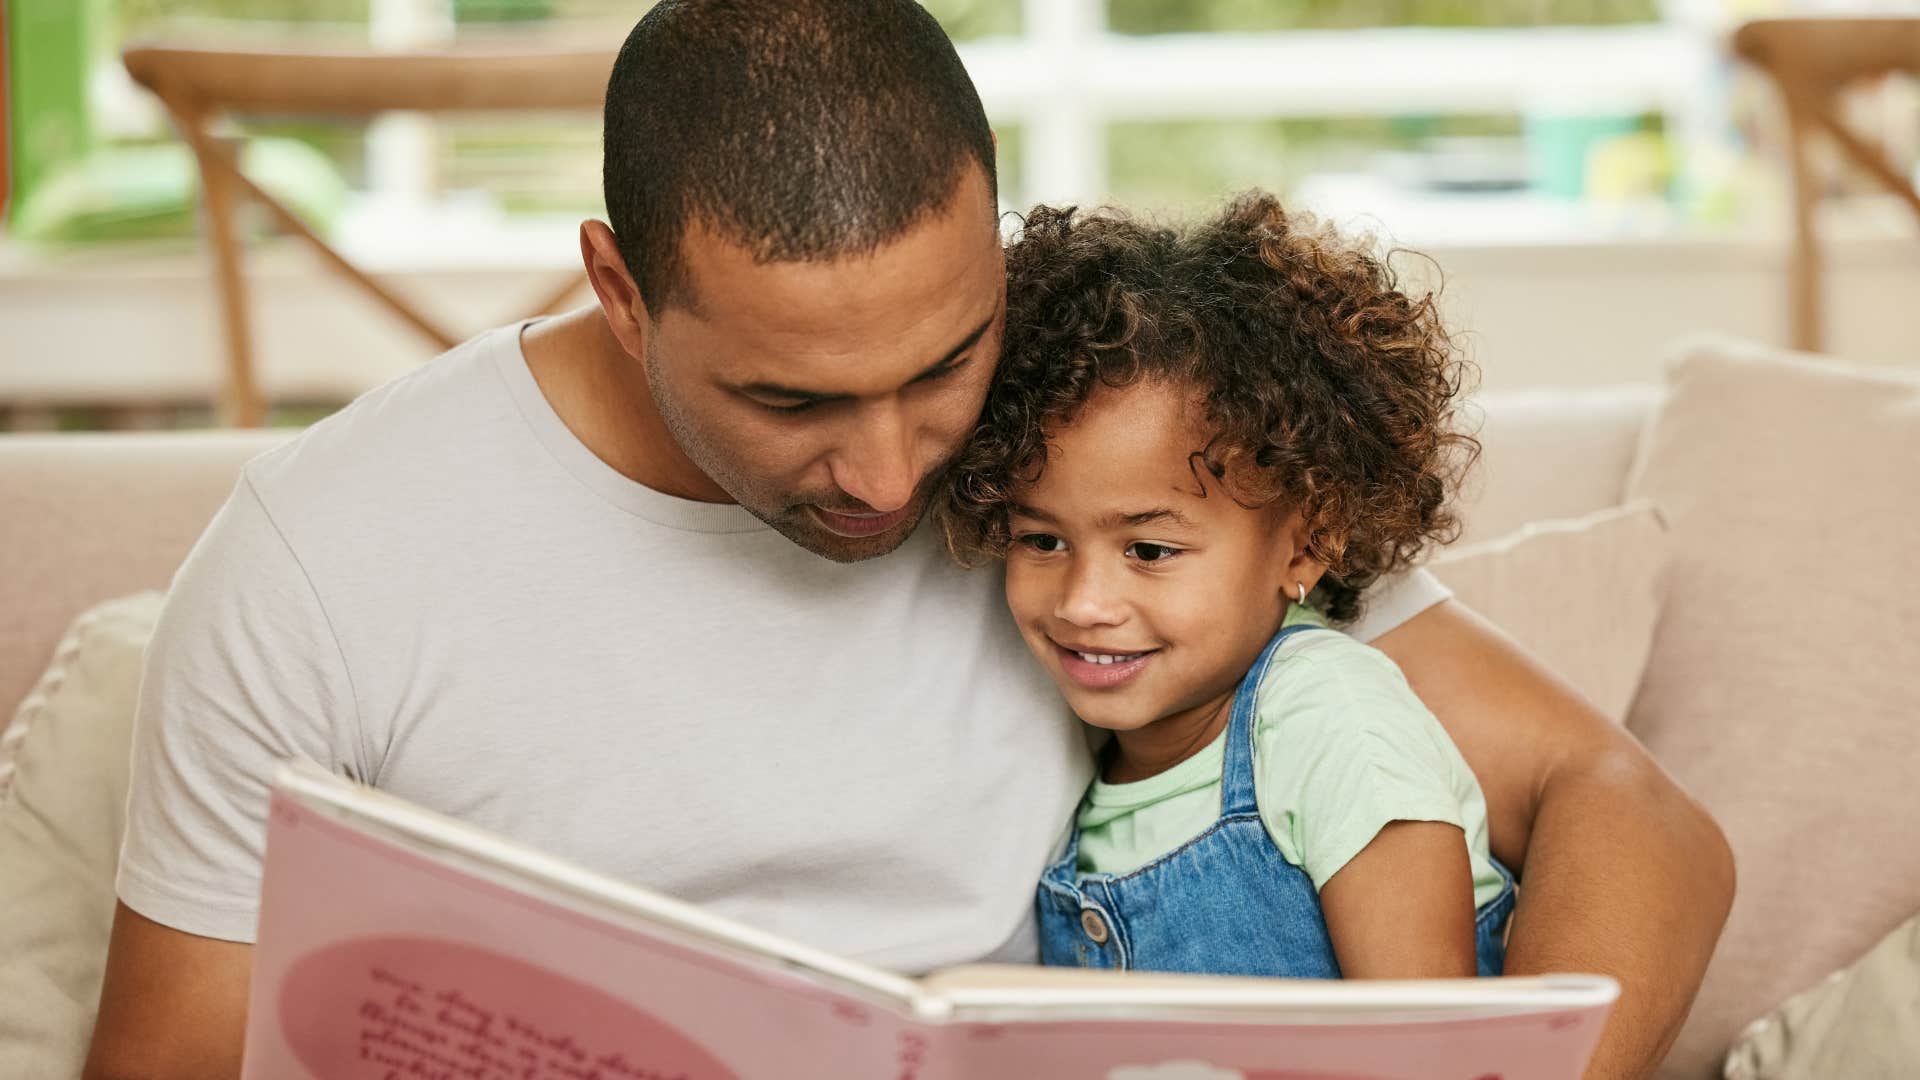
1094, 924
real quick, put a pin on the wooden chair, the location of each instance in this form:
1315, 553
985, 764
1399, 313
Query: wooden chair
1812, 61
197, 86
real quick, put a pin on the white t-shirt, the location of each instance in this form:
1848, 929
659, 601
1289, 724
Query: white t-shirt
441, 592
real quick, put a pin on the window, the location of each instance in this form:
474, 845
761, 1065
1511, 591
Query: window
1441, 108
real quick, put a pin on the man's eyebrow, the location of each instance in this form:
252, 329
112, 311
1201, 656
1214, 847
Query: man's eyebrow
769, 389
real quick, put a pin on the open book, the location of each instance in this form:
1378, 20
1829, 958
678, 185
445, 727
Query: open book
394, 942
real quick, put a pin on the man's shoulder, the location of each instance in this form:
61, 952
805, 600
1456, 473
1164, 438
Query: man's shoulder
1394, 600
398, 441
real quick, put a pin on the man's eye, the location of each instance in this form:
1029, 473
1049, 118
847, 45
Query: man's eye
941, 372
788, 410
1041, 542
1146, 552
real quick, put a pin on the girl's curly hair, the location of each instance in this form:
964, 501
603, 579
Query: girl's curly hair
1326, 387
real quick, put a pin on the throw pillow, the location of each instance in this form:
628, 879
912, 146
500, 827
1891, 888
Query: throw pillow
1858, 1023
1582, 594
60, 829
1781, 691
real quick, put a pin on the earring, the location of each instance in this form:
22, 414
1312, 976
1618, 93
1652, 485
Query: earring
1302, 586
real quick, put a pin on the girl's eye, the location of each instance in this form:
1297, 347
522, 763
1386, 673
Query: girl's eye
1041, 542
1151, 553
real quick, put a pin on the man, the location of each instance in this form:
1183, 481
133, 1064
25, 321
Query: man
643, 585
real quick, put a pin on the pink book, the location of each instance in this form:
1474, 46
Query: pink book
396, 944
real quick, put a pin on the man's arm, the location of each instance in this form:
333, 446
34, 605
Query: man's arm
1623, 874
243, 672
173, 1004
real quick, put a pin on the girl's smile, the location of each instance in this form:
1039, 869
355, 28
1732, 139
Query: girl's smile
1098, 669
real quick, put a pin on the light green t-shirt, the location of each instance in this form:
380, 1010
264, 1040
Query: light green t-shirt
1342, 747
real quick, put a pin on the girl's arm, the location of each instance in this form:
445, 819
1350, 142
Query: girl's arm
1403, 907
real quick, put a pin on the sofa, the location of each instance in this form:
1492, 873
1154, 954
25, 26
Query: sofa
1722, 563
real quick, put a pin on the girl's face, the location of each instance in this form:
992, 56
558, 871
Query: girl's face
1144, 588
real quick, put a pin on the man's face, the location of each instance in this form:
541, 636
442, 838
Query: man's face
826, 397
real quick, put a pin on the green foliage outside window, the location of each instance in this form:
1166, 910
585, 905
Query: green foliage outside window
135, 16
964, 20
969, 19
1201, 16
1169, 164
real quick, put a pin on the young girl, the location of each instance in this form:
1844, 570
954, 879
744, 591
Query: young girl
1201, 448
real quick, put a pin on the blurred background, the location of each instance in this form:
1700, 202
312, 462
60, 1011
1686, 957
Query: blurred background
1591, 179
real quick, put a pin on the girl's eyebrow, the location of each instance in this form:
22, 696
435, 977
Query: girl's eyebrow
1114, 520
1145, 517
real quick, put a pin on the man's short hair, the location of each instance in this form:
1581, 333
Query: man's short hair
798, 129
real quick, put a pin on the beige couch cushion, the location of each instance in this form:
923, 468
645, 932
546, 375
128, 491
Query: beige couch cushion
60, 828
89, 517
1582, 594
1549, 454
1862, 1023
1782, 689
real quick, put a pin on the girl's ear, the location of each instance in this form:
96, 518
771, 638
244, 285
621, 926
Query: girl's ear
1300, 571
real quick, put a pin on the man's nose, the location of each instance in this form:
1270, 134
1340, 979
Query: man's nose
877, 464
1088, 596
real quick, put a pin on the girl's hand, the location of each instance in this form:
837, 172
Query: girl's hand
1403, 907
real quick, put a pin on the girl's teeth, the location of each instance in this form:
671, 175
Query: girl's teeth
1108, 658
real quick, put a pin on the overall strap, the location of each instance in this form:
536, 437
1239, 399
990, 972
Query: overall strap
1236, 778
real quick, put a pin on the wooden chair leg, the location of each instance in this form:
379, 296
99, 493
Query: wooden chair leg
1804, 329
240, 401
291, 222
216, 158
1867, 157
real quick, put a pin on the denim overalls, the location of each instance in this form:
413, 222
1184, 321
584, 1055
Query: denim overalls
1226, 902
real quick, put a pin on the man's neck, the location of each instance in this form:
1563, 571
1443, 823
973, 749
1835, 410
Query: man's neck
600, 393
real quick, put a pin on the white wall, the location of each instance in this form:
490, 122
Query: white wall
106, 330
1580, 316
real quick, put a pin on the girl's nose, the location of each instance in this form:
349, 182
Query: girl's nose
1088, 599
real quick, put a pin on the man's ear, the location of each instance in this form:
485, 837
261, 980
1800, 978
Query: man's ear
613, 284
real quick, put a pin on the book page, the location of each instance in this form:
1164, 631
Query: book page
375, 961
976, 990
1552, 1046
1134, 1026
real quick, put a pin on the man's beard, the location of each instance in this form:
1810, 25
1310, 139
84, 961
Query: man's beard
797, 524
